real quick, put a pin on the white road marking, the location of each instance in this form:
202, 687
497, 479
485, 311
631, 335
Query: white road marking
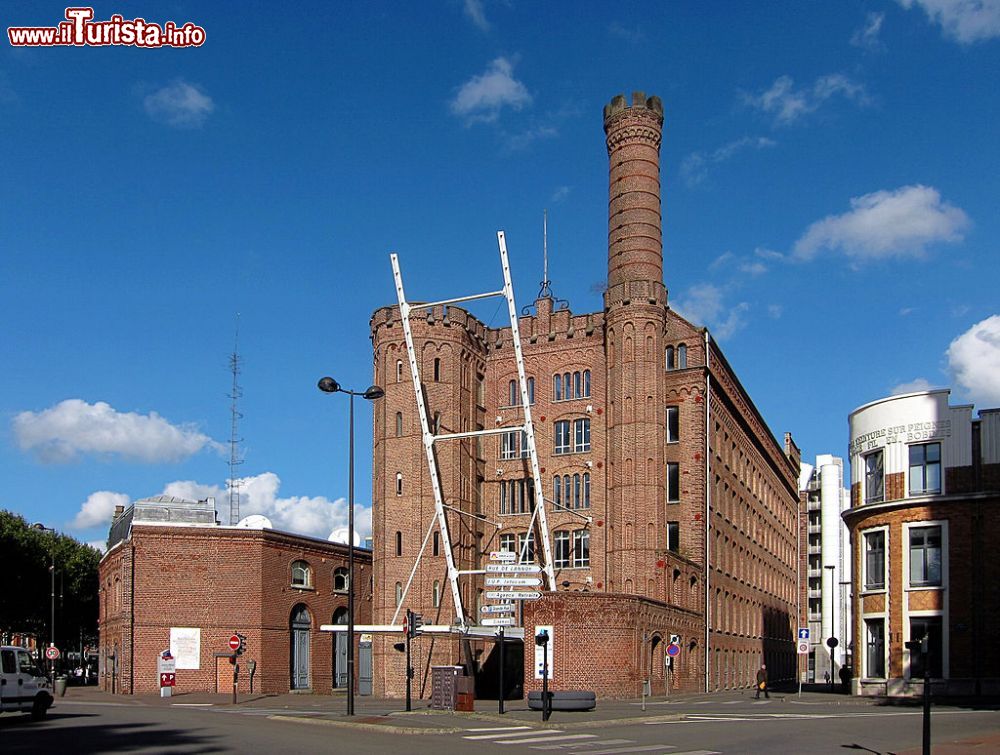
617, 750
598, 743
499, 728
511, 733
543, 738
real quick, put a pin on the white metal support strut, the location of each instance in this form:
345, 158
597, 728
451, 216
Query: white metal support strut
429, 439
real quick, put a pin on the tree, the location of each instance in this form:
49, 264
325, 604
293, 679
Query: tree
25, 601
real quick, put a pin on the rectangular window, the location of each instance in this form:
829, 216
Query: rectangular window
581, 433
925, 469
874, 478
562, 436
673, 424
531, 390
508, 542
673, 482
925, 556
561, 557
526, 547
481, 390
674, 536
875, 648
508, 445
581, 548
875, 560
929, 627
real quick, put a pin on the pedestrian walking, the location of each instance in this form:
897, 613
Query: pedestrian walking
762, 682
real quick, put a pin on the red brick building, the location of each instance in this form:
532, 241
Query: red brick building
671, 508
172, 578
925, 490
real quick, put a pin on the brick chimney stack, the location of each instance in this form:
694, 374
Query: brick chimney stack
635, 240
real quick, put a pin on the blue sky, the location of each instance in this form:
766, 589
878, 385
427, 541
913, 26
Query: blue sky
831, 175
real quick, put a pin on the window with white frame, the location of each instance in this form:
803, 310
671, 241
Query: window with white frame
571, 385
673, 482
581, 548
925, 468
673, 424
436, 595
557, 388
562, 445
874, 648
670, 358
560, 541
514, 392
526, 546
875, 560
508, 542
340, 582
581, 435
931, 628
925, 556
514, 445
682, 356
301, 574
874, 477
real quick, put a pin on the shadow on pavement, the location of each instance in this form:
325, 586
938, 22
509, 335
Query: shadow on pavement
23, 735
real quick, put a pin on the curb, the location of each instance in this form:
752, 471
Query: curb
387, 728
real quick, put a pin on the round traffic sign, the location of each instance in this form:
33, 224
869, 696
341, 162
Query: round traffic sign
52, 653
673, 650
234, 642
803, 647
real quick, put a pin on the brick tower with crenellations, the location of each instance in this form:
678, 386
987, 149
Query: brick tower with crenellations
671, 507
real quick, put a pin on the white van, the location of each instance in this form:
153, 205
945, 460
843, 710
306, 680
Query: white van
23, 687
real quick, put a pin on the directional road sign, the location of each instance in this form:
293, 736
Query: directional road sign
515, 581
499, 621
803, 633
512, 595
514, 568
506, 608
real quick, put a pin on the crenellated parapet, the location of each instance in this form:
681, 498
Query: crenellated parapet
438, 323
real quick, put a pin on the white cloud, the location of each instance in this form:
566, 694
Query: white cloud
474, 11
974, 361
704, 304
964, 21
695, 167
768, 254
753, 268
482, 97
73, 427
867, 36
561, 193
920, 384
98, 509
179, 104
523, 139
774, 311
788, 104
98, 545
886, 224
316, 516
633, 35
723, 260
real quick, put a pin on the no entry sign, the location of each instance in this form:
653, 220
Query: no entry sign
234, 643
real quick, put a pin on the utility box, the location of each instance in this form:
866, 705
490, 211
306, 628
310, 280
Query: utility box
465, 694
445, 683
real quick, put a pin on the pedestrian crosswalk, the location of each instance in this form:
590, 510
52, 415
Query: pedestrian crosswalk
573, 744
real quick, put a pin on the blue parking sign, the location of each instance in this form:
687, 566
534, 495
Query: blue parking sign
803, 633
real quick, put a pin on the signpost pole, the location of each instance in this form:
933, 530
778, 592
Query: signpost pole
501, 694
236, 677
925, 652
545, 683
409, 669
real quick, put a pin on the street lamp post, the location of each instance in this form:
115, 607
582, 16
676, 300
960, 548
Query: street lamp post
831, 642
52, 616
373, 392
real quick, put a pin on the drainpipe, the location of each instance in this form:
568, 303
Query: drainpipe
708, 503
131, 632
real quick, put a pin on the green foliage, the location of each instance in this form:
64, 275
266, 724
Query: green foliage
26, 593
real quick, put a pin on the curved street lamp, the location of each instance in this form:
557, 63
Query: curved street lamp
372, 393
52, 571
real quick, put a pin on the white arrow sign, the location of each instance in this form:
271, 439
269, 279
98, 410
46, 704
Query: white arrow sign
500, 621
514, 568
503, 556
513, 581
512, 595
497, 609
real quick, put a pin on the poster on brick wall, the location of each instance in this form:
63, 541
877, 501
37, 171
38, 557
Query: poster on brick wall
185, 646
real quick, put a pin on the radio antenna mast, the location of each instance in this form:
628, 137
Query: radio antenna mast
234, 440
545, 292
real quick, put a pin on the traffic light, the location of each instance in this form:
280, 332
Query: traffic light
243, 644
412, 624
542, 638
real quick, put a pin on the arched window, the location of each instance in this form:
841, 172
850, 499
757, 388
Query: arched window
585, 502
399, 483
437, 369
399, 370
437, 593
671, 365
399, 424
567, 386
399, 593
513, 399
576, 491
682, 357
577, 385
437, 543
437, 422
301, 574
531, 390
399, 543
586, 383
340, 580
557, 490
557, 392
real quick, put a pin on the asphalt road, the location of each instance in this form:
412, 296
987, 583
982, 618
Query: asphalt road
742, 726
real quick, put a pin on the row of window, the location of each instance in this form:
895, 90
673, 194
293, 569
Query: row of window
571, 549
517, 496
924, 472
920, 627
677, 358
302, 576
580, 437
924, 557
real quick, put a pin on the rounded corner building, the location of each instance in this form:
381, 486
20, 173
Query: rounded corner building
667, 514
